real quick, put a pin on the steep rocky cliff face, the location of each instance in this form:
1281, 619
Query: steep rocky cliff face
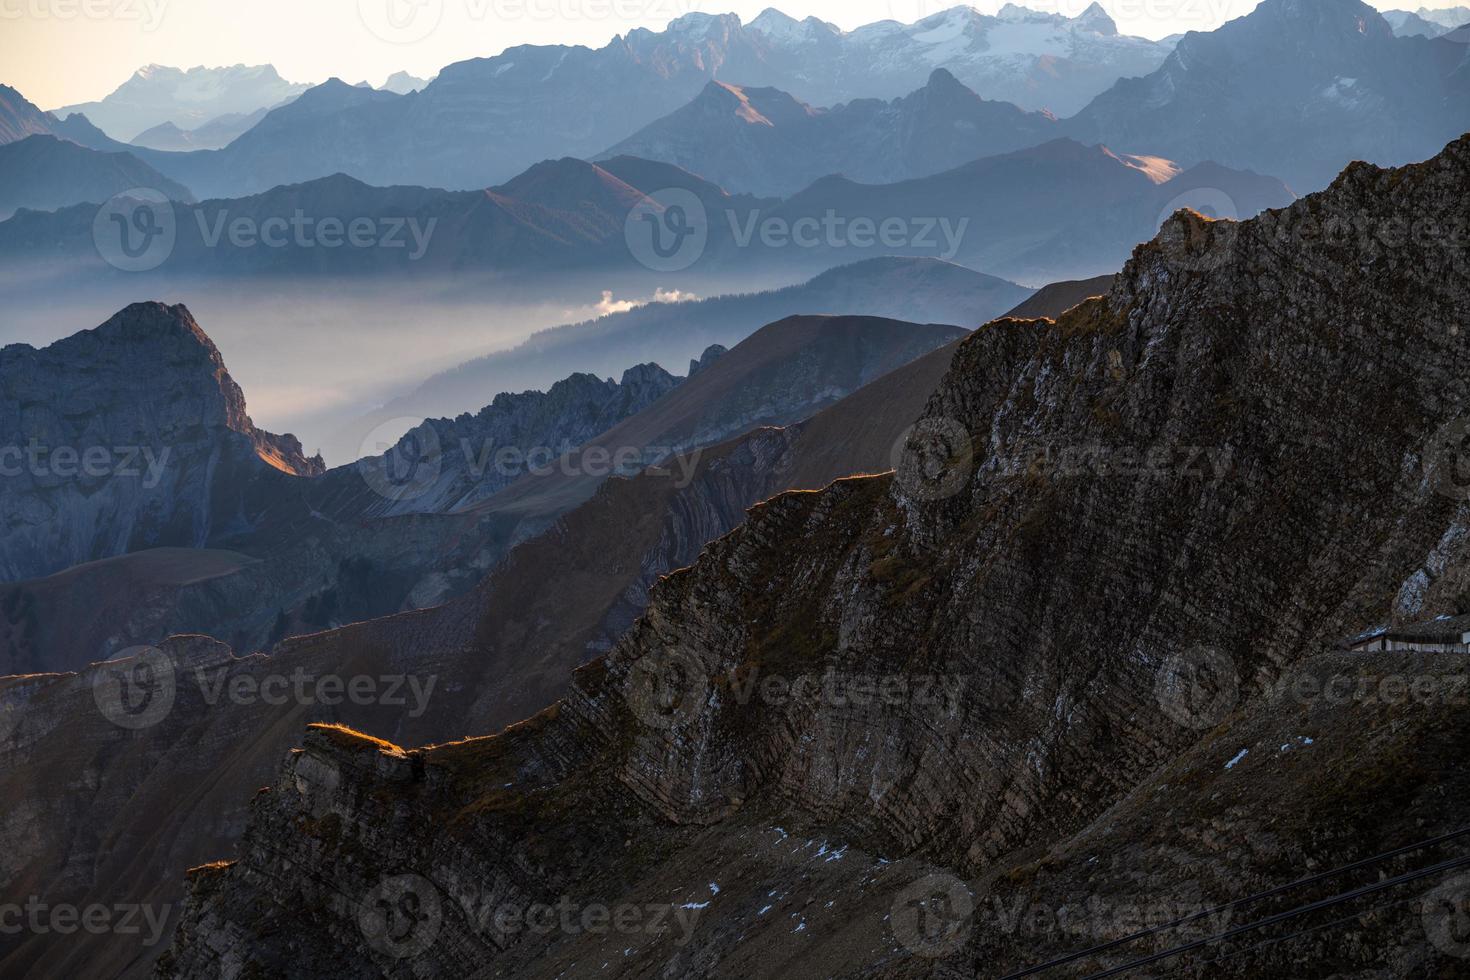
129, 436
422, 523
1238, 456
445, 465
485, 660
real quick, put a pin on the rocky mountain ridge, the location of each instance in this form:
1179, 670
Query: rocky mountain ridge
501, 652
128, 436
764, 142
481, 121
1261, 403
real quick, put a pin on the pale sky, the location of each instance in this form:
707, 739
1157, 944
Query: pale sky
61, 52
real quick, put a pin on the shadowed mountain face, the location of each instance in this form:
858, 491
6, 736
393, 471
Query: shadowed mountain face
765, 142
215, 134
154, 804
1297, 88
19, 118
46, 173
106, 453
414, 522
1272, 386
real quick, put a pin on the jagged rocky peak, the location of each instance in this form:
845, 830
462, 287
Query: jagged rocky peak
132, 435
650, 377
1192, 441
1097, 20
145, 348
563, 417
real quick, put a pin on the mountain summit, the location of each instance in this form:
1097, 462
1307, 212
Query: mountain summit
1296, 88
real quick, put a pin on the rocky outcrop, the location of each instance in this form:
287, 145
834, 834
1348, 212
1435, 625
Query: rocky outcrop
444, 465
973, 665
129, 436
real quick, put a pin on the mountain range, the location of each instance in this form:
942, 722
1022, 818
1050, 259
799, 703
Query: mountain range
1296, 88
765, 142
1246, 361
1058, 210
157, 95
510, 654
216, 134
1241, 96
1055, 763
480, 122
1427, 21
673, 333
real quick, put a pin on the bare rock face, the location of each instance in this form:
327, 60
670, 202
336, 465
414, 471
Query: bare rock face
471, 458
968, 669
482, 661
128, 436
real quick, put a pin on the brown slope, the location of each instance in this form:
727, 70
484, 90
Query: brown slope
65, 621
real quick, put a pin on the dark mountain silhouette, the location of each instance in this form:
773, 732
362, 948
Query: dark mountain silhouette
46, 173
